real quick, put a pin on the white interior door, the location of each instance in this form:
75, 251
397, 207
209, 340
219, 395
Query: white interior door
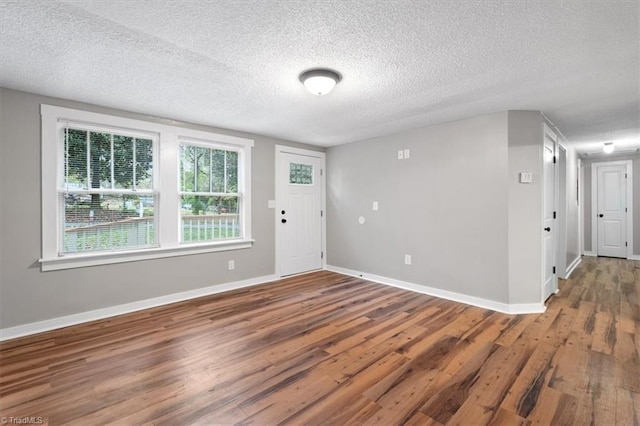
611, 213
299, 213
550, 283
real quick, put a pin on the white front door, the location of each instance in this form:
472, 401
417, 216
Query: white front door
299, 213
550, 283
611, 213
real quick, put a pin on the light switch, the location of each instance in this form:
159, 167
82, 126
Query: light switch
526, 177
271, 204
400, 155
375, 205
407, 154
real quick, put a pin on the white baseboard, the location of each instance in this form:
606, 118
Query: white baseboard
54, 323
632, 257
525, 308
520, 308
573, 266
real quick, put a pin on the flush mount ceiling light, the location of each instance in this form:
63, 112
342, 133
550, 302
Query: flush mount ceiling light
320, 81
608, 147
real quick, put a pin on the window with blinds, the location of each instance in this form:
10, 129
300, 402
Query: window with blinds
107, 198
210, 199
118, 189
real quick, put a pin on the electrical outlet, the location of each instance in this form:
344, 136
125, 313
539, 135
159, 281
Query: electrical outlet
375, 205
407, 259
407, 154
400, 155
232, 265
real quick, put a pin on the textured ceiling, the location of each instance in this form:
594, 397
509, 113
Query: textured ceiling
405, 64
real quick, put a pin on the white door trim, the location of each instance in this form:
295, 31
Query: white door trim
561, 205
548, 132
580, 175
594, 203
283, 149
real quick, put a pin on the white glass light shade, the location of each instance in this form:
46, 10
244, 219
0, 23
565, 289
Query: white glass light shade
319, 85
320, 81
608, 147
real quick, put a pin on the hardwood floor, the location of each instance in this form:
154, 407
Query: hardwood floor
329, 349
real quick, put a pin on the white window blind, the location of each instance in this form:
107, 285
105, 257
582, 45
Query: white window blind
106, 195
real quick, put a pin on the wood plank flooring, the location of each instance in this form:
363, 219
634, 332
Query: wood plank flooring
326, 349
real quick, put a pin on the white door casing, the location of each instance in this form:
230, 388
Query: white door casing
611, 210
300, 221
580, 202
561, 217
549, 276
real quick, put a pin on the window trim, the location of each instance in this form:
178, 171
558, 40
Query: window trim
166, 172
63, 188
240, 195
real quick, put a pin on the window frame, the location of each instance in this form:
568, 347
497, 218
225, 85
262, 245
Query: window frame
166, 186
298, 183
63, 189
240, 195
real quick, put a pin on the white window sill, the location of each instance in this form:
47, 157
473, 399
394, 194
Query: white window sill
94, 259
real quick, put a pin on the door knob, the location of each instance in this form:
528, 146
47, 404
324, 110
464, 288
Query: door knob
547, 229
284, 220
600, 215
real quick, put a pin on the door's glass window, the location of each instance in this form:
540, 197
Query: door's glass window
300, 174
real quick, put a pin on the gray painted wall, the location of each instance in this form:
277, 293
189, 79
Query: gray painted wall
636, 198
525, 132
456, 206
573, 209
586, 192
29, 295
